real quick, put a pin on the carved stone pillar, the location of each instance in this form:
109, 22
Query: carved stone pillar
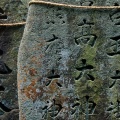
69, 63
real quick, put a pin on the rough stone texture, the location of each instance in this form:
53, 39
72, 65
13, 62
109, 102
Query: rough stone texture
11, 11
26, 2
69, 64
14, 10
12, 115
9, 42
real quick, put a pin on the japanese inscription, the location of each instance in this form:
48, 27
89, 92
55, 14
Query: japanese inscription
80, 64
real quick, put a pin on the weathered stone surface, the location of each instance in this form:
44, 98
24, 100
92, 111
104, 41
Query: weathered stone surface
9, 42
12, 115
14, 11
11, 11
69, 64
26, 2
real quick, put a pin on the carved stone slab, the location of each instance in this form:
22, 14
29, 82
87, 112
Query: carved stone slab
69, 64
11, 11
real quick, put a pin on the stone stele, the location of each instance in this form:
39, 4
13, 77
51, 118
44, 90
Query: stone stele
69, 62
11, 11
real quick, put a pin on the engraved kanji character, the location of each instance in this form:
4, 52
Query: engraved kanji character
87, 108
115, 78
84, 67
86, 37
114, 48
114, 108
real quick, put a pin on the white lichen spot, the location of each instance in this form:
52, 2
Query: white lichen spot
38, 90
65, 57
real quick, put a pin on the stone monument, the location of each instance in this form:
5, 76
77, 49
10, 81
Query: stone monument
69, 61
11, 11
